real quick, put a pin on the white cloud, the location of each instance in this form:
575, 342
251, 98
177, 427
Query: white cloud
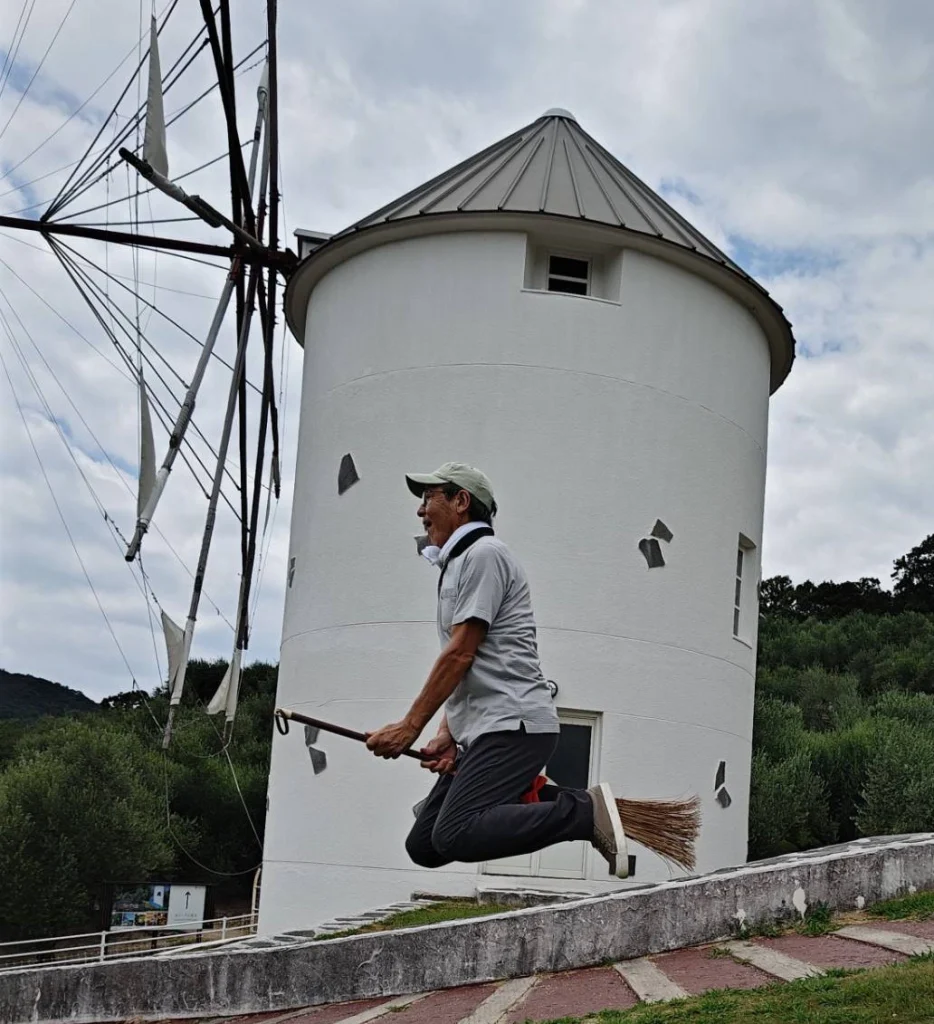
794, 132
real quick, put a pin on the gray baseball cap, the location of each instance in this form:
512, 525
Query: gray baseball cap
471, 479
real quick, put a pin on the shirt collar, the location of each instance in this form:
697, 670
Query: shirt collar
438, 556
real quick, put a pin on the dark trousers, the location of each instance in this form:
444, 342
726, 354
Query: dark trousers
475, 815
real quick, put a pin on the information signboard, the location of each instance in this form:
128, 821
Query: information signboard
129, 905
186, 906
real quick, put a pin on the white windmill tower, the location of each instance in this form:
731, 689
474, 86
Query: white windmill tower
541, 313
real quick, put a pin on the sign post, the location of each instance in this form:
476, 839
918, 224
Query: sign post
186, 906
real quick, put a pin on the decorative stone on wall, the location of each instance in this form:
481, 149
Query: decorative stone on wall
347, 475
650, 547
723, 797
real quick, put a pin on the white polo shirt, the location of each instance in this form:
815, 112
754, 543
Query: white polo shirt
504, 688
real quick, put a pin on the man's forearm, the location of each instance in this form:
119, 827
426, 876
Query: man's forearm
446, 673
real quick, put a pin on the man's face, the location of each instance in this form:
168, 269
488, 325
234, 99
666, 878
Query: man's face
441, 515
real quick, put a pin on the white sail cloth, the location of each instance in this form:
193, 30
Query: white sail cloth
147, 450
154, 148
177, 643
225, 699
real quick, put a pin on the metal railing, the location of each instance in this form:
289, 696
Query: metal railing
62, 950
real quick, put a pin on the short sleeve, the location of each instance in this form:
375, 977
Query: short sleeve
481, 586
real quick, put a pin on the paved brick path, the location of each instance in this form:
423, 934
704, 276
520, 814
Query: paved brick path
748, 964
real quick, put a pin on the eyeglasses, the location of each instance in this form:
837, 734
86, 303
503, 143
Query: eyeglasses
429, 493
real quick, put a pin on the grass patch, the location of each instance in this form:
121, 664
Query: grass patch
903, 994
450, 910
762, 930
917, 907
817, 921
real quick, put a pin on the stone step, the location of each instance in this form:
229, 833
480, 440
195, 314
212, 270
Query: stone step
648, 981
772, 961
899, 942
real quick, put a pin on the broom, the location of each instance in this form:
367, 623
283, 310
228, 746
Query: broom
666, 827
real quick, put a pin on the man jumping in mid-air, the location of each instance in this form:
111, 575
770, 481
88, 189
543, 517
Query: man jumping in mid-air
499, 727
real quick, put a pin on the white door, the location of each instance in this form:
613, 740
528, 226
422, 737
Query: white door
574, 765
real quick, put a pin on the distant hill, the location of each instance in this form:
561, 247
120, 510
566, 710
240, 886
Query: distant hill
23, 696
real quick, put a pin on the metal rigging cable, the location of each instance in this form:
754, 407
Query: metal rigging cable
109, 521
10, 62
61, 516
165, 418
142, 191
117, 471
108, 518
113, 111
25, 92
155, 309
126, 328
65, 321
67, 121
87, 181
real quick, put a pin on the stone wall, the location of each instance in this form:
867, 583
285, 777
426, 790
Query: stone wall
539, 939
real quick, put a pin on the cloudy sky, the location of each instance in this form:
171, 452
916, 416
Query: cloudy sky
795, 133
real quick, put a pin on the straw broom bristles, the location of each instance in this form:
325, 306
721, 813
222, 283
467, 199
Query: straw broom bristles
667, 827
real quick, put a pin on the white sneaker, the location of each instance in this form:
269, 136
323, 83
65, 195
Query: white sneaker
608, 838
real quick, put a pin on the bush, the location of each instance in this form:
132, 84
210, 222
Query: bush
788, 807
849, 700
899, 792
841, 760
829, 700
916, 708
777, 728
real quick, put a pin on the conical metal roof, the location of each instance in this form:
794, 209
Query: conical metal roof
550, 170
551, 166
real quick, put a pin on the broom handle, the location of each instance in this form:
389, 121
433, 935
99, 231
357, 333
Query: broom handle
339, 730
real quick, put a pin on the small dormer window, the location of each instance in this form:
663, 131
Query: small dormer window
569, 275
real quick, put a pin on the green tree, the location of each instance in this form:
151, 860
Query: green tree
82, 804
914, 577
125, 701
777, 597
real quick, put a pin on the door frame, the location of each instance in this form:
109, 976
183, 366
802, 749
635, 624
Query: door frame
566, 716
